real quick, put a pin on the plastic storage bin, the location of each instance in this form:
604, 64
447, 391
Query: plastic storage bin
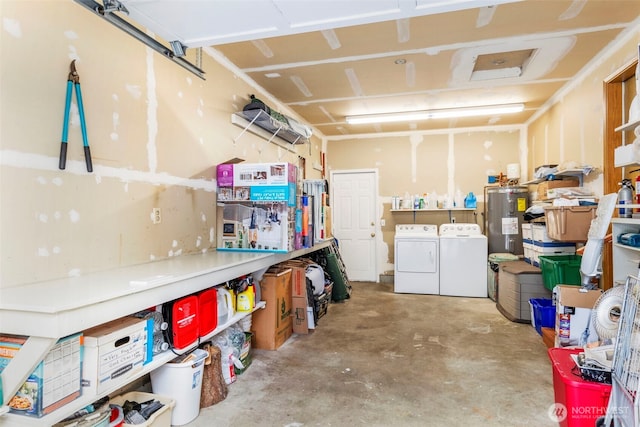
569, 223
493, 271
181, 380
543, 313
160, 418
583, 401
560, 270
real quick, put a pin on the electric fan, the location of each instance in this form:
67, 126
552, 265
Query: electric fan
595, 363
606, 313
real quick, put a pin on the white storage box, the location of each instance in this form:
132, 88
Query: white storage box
527, 231
624, 156
539, 232
115, 351
557, 248
527, 246
160, 418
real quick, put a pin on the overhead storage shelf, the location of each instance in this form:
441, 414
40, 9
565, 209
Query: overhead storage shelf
577, 173
262, 124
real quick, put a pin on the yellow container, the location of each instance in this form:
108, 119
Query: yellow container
245, 300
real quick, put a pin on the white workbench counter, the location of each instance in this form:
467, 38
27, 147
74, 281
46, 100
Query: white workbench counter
47, 311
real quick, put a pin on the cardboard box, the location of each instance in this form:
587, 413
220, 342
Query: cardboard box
272, 325
301, 316
328, 232
548, 336
256, 227
257, 182
302, 323
56, 380
573, 313
544, 186
115, 350
256, 174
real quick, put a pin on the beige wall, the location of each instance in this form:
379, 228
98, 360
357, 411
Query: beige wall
418, 163
156, 133
572, 130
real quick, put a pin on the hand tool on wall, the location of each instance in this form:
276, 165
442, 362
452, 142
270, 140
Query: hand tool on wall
74, 81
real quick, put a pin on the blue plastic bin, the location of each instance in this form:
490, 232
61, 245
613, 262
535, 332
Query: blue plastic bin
544, 313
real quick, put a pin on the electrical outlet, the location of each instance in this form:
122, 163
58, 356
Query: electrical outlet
382, 223
156, 216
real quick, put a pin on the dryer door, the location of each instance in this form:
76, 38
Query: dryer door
416, 256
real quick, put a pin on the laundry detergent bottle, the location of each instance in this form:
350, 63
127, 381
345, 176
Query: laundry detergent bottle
470, 201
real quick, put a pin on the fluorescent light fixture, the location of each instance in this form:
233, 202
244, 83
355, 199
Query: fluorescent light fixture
409, 116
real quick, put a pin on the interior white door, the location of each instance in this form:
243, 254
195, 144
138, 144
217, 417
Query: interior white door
353, 199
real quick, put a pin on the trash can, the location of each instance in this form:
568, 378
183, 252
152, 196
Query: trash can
492, 272
181, 380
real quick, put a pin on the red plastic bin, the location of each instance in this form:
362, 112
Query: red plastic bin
585, 401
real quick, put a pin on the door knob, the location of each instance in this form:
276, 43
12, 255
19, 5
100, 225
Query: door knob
373, 234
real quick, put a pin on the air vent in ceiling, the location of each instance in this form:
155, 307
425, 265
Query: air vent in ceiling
501, 65
527, 60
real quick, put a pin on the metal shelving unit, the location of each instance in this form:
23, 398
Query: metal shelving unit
262, 124
577, 173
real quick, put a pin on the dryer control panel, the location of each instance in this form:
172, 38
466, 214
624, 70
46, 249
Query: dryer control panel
416, 230
460, 229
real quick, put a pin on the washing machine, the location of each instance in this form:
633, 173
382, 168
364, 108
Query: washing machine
463, 260
416, 259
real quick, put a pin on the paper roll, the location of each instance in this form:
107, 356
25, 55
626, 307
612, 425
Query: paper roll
513, 170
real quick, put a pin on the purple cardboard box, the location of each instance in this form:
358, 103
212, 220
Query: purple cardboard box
225, 175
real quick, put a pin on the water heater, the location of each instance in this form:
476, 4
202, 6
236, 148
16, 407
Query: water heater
504, 211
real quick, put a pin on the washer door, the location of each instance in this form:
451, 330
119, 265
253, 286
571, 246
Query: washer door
416, 256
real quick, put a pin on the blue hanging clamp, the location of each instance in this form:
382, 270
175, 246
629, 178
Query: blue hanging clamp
74, 80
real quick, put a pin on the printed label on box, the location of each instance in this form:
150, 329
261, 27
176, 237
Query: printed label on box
54, 382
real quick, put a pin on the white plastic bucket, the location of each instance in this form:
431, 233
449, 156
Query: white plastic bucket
245, 323
182, 381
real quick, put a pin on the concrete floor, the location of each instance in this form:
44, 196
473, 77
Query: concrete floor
385, 359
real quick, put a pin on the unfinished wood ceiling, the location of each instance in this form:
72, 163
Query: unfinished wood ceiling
467, 55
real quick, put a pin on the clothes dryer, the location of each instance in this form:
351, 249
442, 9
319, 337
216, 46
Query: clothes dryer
416, 259
463, 260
